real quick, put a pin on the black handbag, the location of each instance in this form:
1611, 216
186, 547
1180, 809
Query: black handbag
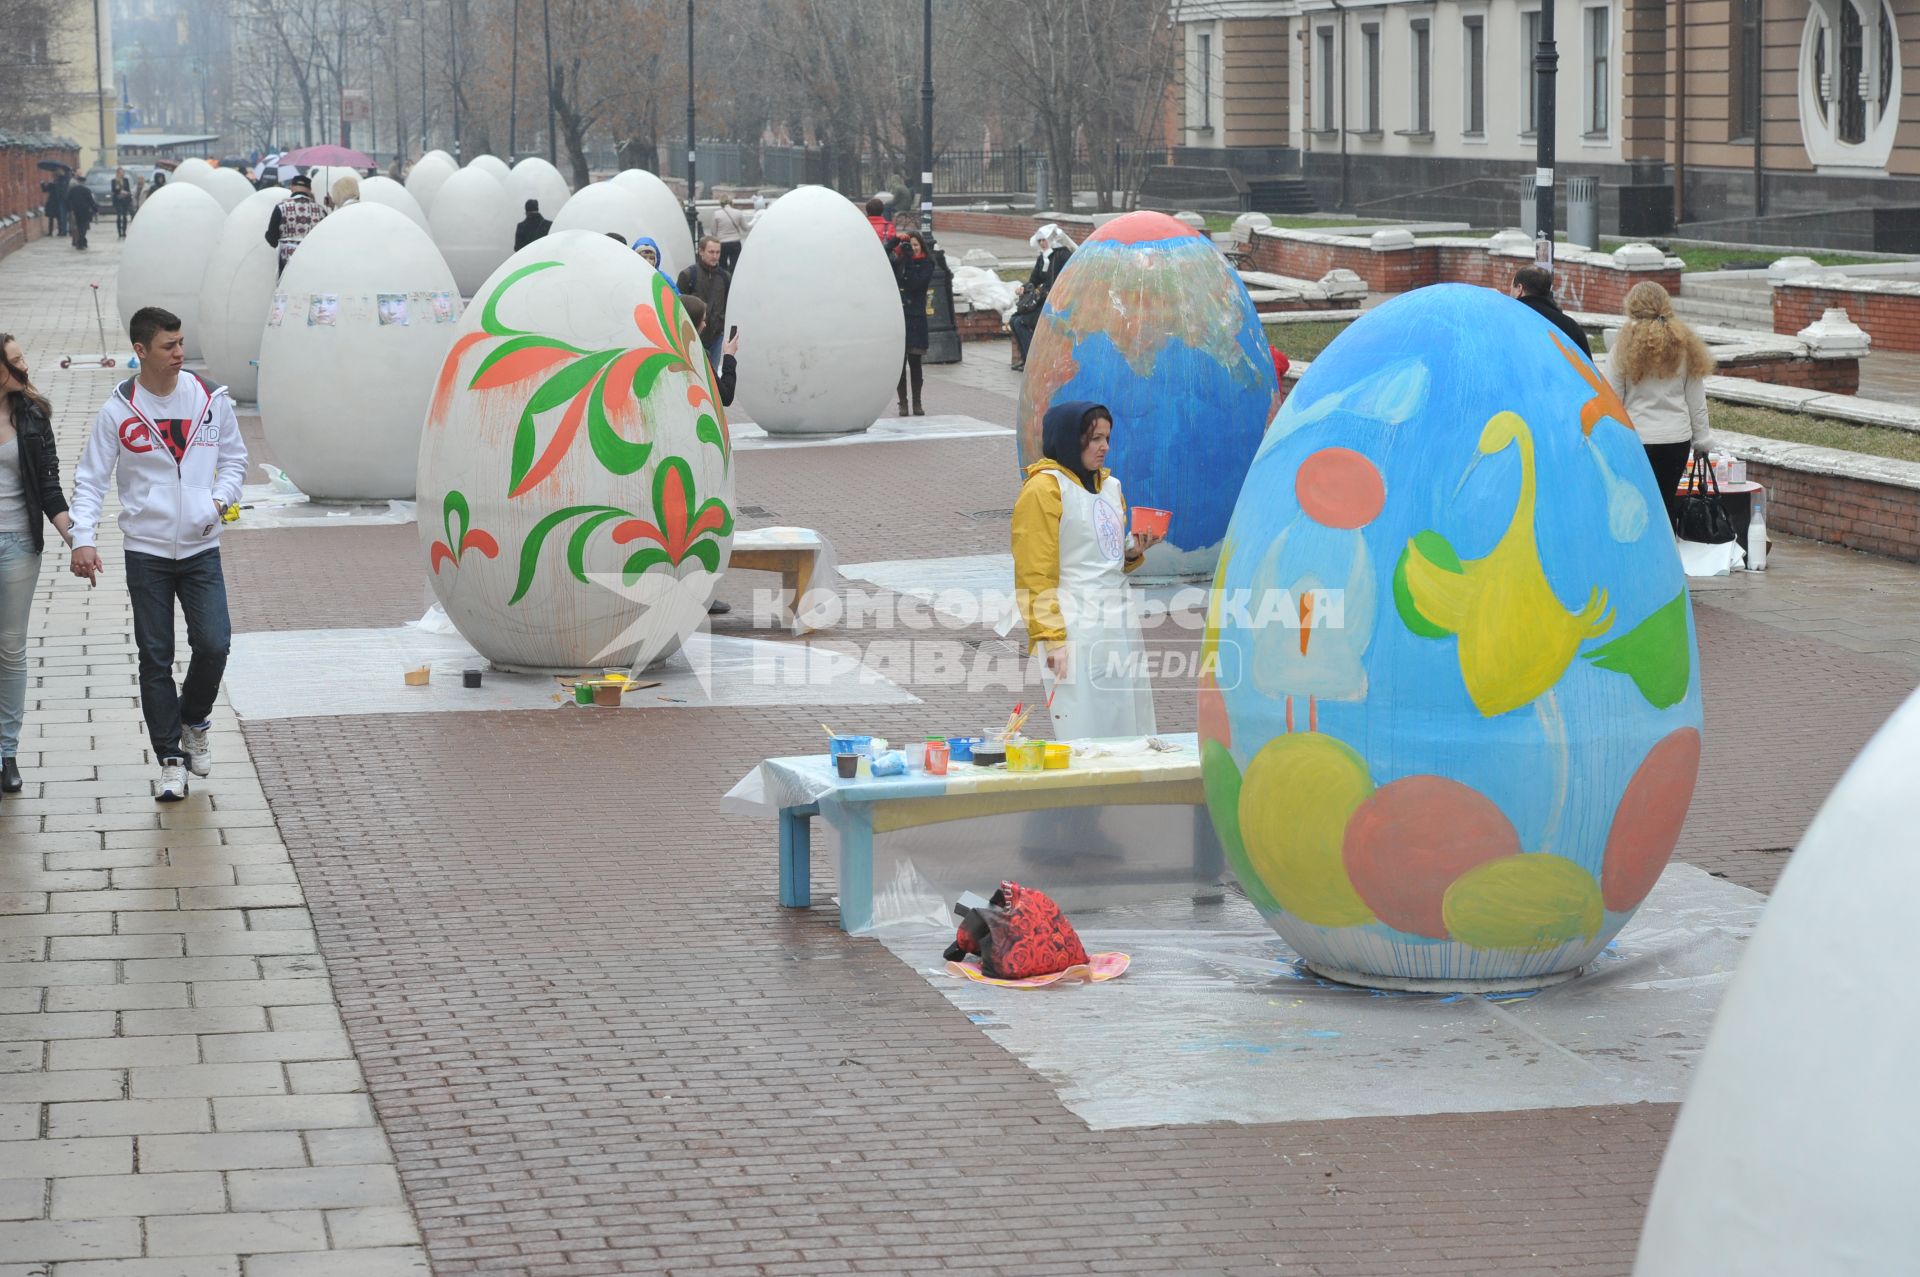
1702, 516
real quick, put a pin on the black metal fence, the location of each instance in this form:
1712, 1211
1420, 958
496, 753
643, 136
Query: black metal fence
1010, 172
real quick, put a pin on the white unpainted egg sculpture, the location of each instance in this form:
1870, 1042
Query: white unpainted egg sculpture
822, 336
356, 332
492, 164
602, 208
472, 221
166, 255
542, 182
428, 174
576, 485
228, 186
235, 292
662, 217
1793, 1153
384, 190
194, 171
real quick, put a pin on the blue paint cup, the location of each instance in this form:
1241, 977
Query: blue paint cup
849, 745
960, 748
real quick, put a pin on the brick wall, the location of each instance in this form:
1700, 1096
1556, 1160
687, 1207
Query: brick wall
1006, 225
1834, 376
1579, 286
1879, 518
979, 325
20, 193
1892, 319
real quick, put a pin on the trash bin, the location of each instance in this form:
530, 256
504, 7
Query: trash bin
1529, 211
1583, 211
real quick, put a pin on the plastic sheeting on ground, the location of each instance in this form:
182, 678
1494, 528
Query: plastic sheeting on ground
1218, 1020
281, 505
310, 673
748, 437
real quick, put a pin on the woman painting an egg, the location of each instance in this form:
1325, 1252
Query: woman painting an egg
1071, 554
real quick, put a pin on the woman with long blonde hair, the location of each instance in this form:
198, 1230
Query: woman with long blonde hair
1659, 368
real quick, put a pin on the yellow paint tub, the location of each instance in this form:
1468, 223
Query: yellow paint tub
1059, 757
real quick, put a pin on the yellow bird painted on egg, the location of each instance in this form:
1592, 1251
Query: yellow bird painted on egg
1516, 638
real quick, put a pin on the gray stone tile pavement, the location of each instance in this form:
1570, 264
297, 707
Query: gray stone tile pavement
178, 1097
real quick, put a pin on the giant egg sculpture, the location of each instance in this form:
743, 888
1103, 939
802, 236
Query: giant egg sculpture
428, 174
229, 186
662, 217
194, 171
384, 190
576, 479
367, 304
495, 165
821, 333
472, 221
603, 208
1148, 319
1794, 1151
165, 257
542, 183
1450, 699
235, 292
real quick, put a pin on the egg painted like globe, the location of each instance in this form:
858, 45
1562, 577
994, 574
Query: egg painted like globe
1450, 705
1148, 319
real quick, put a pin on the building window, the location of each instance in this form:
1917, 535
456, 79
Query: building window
1853, 106
1599, 80
1370, 72
1203, 56
1529, 77
1324, 111
1748, 68
1475, 33
1422, 77
1849, 83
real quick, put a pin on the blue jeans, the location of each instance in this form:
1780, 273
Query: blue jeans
19, 574
154, 584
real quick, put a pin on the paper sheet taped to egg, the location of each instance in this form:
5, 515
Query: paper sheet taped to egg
367, 304
1148, 319
822, 337
576, 478
1450, 699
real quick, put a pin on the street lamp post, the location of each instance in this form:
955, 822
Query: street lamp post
943, 337
546, 34
693, 177
513, 88
1546, 64
453, 70
423, 77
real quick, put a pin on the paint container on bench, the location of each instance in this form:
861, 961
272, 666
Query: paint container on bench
583, 693
960, 748
470, 678
847, 765
855, 745
937, 756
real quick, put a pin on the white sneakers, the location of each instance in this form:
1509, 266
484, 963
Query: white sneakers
173, 781
194, 744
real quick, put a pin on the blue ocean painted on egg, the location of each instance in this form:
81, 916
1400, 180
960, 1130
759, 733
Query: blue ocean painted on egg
1456, 721
1148, 319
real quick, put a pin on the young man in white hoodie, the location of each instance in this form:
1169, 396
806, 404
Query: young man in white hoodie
176, 446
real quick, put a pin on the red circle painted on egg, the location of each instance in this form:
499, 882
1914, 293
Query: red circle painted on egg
1339, 488
1141, 227
1646, 824
1410, 839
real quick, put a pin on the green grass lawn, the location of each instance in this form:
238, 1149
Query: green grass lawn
1305, 340
1821, 432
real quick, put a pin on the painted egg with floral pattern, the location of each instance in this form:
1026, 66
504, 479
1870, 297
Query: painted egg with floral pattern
575, 476
1450, 704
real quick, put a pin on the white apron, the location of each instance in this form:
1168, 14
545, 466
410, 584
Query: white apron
1106, 691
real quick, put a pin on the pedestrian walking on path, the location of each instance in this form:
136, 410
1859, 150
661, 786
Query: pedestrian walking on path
174, 445
122, 201
913, 271
1659, 368
730, 226
29, 492
533, 227
1533, 288
80, 210
1071, 554
710, 282
294, 219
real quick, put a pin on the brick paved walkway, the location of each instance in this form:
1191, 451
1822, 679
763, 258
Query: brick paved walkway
597, 1046
177, 1091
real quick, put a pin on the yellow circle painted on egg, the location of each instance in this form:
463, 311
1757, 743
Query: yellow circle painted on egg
1295, 800
1530, 902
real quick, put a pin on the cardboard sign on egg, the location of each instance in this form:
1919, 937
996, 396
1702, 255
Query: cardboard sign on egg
165, 257
576, 479
1148, 319
822, 335
1450, 697
355, 331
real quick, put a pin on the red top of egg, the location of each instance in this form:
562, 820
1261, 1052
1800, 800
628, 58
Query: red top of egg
1142, 227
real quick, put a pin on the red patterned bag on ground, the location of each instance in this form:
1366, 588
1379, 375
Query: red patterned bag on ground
1020, 934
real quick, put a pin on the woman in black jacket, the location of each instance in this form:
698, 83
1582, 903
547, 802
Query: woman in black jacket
29, 492
913, 270
1055, 248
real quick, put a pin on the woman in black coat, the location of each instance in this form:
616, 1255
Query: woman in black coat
29, 492
913, 270
1055, 248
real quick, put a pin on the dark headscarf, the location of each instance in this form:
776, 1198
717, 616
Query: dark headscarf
1060, 437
